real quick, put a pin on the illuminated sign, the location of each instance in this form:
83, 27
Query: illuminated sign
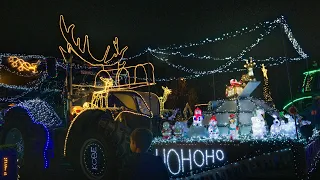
5, 166
184, 160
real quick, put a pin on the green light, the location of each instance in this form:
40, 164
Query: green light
311, 72
298, 99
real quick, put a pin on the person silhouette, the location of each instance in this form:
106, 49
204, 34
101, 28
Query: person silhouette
141, 164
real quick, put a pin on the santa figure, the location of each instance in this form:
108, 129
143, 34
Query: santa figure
213, 129
166, 130
233, 130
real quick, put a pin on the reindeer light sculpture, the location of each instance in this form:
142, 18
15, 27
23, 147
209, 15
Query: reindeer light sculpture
114, 63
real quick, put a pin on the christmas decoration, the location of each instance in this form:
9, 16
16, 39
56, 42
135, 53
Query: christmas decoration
197, 117
290, 127
233, 127
166, 130
266, 88
163, 98
197, 129
234, 90
213, 129
270, 26
178, 129
258, 124
275, 128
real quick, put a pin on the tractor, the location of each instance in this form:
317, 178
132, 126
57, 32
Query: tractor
86, 125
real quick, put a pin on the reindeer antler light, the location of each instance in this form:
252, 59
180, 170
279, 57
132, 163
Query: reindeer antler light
74, 45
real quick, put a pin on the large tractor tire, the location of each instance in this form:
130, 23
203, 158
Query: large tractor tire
30, 139
96, 146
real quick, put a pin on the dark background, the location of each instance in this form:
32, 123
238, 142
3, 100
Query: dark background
32, 27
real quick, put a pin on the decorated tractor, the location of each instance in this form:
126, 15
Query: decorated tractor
87, 125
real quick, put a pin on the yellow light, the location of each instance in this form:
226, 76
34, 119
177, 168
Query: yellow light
163, 98
99, 98
76, 110
22, 65
264, 71
69, 31
5, 166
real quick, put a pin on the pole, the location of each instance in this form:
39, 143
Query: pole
69, 87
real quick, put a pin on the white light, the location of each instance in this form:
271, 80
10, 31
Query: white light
209, 156
221, 153
194, 158
186, 159
168, 164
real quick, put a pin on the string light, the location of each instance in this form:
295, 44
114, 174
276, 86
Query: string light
296, 100
37, 121
22, 65
266, 88
69, 31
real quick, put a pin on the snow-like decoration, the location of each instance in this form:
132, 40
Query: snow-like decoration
42, 112
290, 128
258, 124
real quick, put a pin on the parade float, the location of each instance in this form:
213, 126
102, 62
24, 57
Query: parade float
88, 124
232, 138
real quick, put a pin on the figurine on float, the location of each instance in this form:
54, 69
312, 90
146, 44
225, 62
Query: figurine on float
258, 124
233, 127
197, 129
290, 128
213, 129
166, 130
275, 128
178, 129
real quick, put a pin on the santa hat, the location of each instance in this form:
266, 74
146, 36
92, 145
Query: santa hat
197, 111
231, 116
213, 118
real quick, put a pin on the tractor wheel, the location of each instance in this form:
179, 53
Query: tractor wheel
30, 140
99, 151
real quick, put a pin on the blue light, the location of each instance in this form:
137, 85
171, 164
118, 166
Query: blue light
45, 149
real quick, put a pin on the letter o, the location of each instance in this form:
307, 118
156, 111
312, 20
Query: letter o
194, 158
221, 153
168, 155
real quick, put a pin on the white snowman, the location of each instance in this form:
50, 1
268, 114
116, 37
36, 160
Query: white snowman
213, 129
258, 124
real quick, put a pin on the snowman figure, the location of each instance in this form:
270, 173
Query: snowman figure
233, 130
213, 129
166, 130
197, 129
258, 124
275, 128
197, 118
178, 129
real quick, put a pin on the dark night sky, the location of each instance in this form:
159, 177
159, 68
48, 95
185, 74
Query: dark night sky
32, 27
